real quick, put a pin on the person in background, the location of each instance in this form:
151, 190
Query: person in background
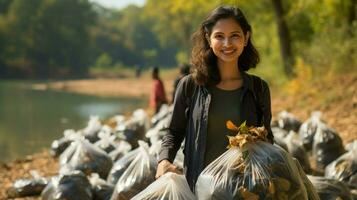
157, 95
138, 69
184, 70
219, 89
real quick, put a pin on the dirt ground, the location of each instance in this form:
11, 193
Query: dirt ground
339, 111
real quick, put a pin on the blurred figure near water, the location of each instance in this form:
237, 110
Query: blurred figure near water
157, 95
184, 70
138, 69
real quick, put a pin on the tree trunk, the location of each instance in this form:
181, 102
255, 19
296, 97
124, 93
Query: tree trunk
352, 15
284, 37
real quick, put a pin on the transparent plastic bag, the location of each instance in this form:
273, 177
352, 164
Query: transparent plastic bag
60, 145
279, 137
121, 165
134, 129
84, 156
163, 112
327, 146
123, 147
354, 194
344, 168
91, 131
157, 132
100, 188
352, 145
308, 129
169, 186
288, 121
310, 189
115, 121
179, 159
137, 176
330, 189
27, 187
259, 171
107, 140
297, 150
69, 186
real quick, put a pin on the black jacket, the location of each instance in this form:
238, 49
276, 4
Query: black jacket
190, 117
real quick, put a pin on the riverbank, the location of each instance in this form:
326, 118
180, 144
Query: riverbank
113, 87
335, 97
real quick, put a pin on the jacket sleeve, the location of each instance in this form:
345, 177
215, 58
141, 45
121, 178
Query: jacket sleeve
266, 107
177, 129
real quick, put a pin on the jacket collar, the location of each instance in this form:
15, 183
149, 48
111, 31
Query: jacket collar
247, 81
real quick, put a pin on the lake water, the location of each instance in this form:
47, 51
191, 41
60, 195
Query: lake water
31, 119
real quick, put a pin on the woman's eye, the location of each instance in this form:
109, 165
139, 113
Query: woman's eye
218, 36
236, 36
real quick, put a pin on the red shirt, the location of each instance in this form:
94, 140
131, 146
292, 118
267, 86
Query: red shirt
157, 95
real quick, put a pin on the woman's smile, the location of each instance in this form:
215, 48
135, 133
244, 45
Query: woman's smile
228, 52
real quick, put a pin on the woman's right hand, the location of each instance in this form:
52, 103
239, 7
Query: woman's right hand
165, 166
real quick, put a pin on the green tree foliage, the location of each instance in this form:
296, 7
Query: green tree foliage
47, 37
60, 38
104, 61
4, 4
324, 33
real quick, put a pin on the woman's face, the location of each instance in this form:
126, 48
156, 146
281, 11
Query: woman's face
227, 40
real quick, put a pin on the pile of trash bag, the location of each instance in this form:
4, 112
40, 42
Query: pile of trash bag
251, 168
170, 186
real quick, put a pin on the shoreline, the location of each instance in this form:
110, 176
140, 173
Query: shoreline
113, 87
103, 87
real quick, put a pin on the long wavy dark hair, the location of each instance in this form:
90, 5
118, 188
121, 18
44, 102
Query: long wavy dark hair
204, 61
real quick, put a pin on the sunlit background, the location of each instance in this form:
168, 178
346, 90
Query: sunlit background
303, 48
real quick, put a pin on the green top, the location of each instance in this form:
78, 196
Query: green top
224, 106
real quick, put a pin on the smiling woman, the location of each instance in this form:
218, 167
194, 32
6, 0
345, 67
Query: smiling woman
218, 90
118, 4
